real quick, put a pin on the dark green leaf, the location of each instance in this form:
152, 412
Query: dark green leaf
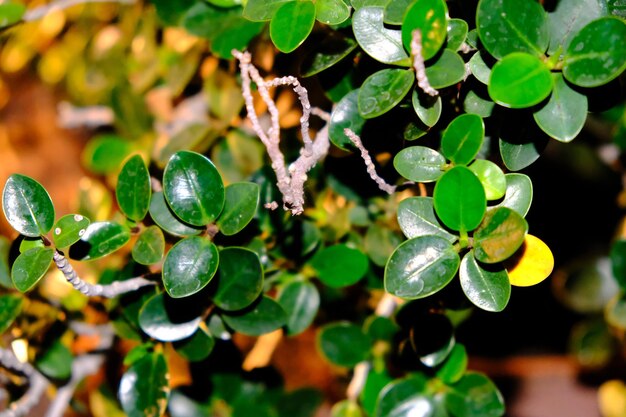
100, 239
416, 216
163, 216
519, 193
193, 188
474, 396
455, 365
487, 288
302, 402
149, 247
492, 178
240, 279
383, 90
56, 361
617, 8
5, 273
291, 24
172, 11
380, 328
137, 353
11, 13
420, 267
403, 396
240, 204
300, 300
345, 115
331, 12
339, 265
479, 68
197, 347
463, 138
69, 229
10, 308
375, 382
326, 54
430, 17
520, 146
475, 103
264, 316
597, 54
457, 32
343, 344
419, 163
427, 107
568, 17
27, 206
500, 235
189, 266
394, 11
459, 199
447, 69
259, 10
144, 387
164, 319
133, 189
382, 44
30, 267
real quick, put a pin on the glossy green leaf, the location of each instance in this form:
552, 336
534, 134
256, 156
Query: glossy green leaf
100, 239
69, 229
419, 163
430, 17
165, 218
138, 352
240, 205
463, 138
30, 267
264, 316
346, 408
149, 247
193, 188
455, 365
197, 347
492, 178
11, 13
479, 68
520, 149
357, 4
10, 308
394, 11
133, 189
460, 200
420, 267
457, 32
486, 287
414, 130
379, 243
519, 193
144, 387
374, 384
507, 26
474, 396
326, 54
105, 154
416, 217
568, 17
259, 10
564, 115
447, 69
164, 319
383, 90
427, 107
56, 361
239, 280
27, 206
500, 235
618, 262
345, 115
520, 80
339, 265
291, 24
331, 12
5, 273
404, 398
477, 104
343, 343
27, 243
189, 266
382, 44
300, 300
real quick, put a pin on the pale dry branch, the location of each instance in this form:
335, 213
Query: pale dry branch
37, 385
39, 12
418, 63
91, 117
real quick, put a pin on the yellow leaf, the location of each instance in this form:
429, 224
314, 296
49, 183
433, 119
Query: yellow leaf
531, 264
612, 399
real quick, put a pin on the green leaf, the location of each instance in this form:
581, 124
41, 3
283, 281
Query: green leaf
133, 189
172, 11
383, 90
457, 32
166, 319
432, 338
331, 12
69, 229
520, 80
486, 287
11, 13
380, 328
105, 154
300, 300
259, 10
27, 206
500, 235
357, 4
5, 273
447, 69
10, 308
520, 145
477, 104
430, 17
416, 217
474, 396
419, 163
519, 193
480, 67
291, 24
569, 17
339, 265
420, 267
455, 365
197, 347
189, 266
507, 26
239, 280
379, 243
149, 247
404, 398
382, 44
327, 53
30, 267
460, 200
492, 178
144, 387
240, 205
343, 343
346, 408
193, 188
264, 316
427, 107
463, 138
56, 361
394, 11
564, 115
374, 384
597, 54
165, 218
618, 262
345, 115
100, 239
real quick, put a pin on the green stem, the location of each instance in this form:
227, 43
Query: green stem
463, 239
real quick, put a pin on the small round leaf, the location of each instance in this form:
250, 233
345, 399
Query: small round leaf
291, 24
404, 398
427, 107
189, 266
419, 163
474, 396
264, 316
343, 344
382, 44
56, 361
383, 90
416, 217
100, 239
27, 206
143, 396
10, 308
519, 193
133, 189
448, 69
430, 17
69, 229
339, 265
455, 365
479, 68
30, 267
197, 347
492, 178
500, 235
463, 138
166, 319
326, 54
239, 280
460, 200
240, 204
457, 32
345, 115
531, 264
165, 218
149, 247
300, 300
487, 288
331, 12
